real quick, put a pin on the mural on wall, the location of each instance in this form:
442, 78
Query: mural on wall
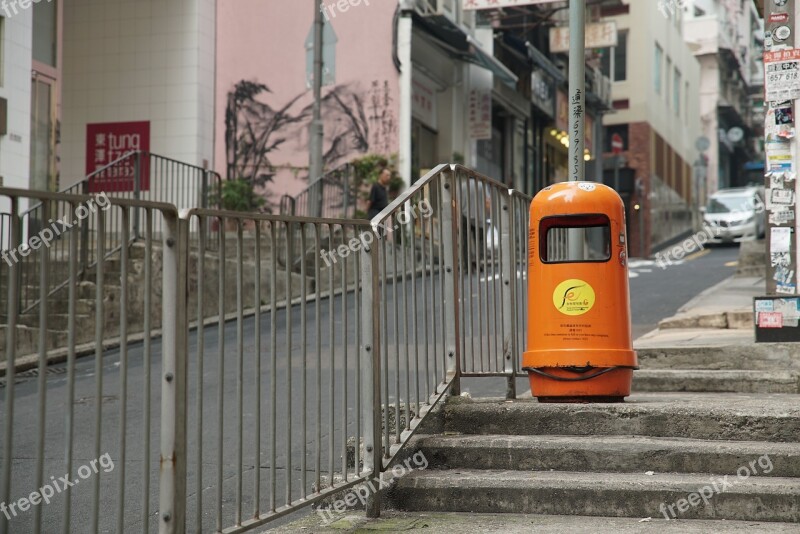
356, 121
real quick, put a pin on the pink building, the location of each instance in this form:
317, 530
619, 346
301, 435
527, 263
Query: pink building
264, 100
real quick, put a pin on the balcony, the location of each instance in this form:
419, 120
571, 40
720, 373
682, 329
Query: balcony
598, 88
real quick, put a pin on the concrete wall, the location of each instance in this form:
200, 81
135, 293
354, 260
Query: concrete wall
263, 43
139, 60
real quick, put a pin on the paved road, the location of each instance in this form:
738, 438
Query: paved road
657, 293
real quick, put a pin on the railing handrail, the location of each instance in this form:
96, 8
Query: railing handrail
332, 177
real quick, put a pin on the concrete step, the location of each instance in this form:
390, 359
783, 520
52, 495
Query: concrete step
28, 340
755, 498
448, 523
737, 381
83, 306
762, 356
719, 416
621, 454
55, 321
740, 319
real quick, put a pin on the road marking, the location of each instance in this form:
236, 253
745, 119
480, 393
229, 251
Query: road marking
698, 254
734, 263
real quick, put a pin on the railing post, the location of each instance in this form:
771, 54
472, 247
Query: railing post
204, 190
508, 268
84, 254
10, 350
172, 475
346, 214
137, 192
371, 374
450, 224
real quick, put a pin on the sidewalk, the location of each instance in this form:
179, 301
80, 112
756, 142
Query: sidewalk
720, 315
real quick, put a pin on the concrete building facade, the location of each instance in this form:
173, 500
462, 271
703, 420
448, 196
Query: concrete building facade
727, 37
656, 113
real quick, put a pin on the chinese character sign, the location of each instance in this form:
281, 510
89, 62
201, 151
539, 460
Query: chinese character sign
108, 142
480, 104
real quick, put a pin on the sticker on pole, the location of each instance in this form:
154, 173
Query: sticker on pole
573, 297
782, 75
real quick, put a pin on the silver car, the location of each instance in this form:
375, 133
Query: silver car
736, 214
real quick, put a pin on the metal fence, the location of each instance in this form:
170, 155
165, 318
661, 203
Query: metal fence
61, 423
134, 176
295, 356
333, 195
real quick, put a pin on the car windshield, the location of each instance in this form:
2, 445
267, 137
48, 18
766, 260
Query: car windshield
729, 203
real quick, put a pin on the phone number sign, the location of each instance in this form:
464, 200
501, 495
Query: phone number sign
782, 75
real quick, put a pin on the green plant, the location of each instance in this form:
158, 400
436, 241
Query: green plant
238, 195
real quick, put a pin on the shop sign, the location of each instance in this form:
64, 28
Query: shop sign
598, 35
423, 100
108, 142
542, 92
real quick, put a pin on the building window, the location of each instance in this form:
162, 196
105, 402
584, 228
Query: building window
657, 68
615, 60
667, 73
45, 36
676, 92
686, 104
618, 129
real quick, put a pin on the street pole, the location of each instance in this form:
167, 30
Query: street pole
577, 88
315, 139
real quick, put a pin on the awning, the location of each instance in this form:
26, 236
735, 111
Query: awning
460, 45
544, 63
479, 57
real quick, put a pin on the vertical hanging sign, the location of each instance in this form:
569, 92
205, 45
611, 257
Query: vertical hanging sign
480, 103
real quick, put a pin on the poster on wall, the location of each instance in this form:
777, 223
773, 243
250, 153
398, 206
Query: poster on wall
782, 75
110, 141
778, 25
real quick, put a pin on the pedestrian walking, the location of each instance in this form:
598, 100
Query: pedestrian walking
379, 194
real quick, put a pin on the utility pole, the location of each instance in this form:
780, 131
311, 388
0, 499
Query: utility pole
577, 88
316, 137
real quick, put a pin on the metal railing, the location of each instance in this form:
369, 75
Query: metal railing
99, 406
295, 359
331, 196
134, 176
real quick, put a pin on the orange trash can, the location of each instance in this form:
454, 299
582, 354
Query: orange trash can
579, 320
